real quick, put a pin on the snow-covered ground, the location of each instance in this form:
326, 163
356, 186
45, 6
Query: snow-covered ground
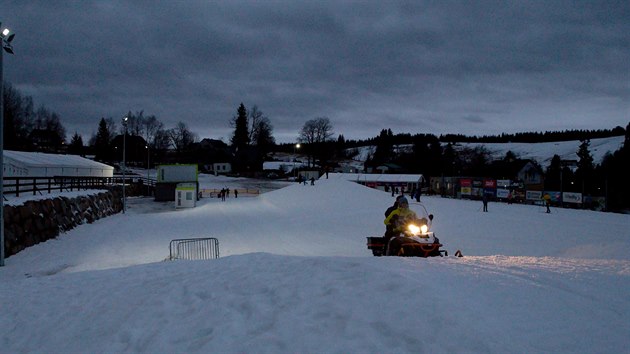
295, 276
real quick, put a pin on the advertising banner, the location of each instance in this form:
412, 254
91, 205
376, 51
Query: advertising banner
465, 185
555, 196
489, 183
569, 197
533, 195
489, 192
502, 193
503, 183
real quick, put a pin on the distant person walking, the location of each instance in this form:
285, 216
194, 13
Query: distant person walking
484, 199
547, 199
235, 193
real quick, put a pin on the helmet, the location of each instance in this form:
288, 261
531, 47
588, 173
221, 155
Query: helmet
403, 200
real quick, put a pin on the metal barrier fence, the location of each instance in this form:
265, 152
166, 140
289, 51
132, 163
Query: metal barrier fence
194, 248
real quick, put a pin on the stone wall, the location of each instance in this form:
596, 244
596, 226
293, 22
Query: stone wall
40, 220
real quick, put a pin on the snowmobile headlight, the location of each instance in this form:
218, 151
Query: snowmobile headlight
424, 229
413, 229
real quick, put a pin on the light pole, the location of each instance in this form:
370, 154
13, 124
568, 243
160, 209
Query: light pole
295, 148
124, 123
5, 41
148, 165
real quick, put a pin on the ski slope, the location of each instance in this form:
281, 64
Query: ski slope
295, 276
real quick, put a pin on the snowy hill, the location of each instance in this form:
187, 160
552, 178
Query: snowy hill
295, 276
540, 152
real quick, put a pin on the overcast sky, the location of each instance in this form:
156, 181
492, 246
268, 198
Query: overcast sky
469, 67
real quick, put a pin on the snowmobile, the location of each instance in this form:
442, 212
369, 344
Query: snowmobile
414, 241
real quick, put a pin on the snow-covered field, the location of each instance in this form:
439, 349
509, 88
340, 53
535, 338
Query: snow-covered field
295, 276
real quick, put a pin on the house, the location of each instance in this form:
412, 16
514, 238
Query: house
219, 168
527, 173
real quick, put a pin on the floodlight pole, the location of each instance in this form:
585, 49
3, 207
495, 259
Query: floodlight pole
295, 147
124, 122
148, 164
1, 157
5, 44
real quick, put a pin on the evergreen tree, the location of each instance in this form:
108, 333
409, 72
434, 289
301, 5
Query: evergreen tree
340, 147
76, 145
384, 148
552, 175
102, 140
451, 165
240, 139
612, 177
584, 173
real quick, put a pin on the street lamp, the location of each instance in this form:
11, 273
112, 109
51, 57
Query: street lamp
5, 41
124, 123
295, 147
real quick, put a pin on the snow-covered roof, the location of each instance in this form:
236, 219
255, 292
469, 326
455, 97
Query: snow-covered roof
39, 159
373, 177
282, 165
22, 164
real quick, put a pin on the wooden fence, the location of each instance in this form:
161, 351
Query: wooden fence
40, 185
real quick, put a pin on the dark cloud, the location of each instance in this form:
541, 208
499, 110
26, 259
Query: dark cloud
422, 66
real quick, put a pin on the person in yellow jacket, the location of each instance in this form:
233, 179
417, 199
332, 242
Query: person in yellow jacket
547, 199
396, 221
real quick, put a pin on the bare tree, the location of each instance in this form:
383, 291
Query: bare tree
260, 133
161, 140
48, 133
151, 128
182, 137
110, 123
18, 118
314, 132
135, 124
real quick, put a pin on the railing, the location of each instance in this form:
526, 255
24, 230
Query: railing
194, 248
40, 185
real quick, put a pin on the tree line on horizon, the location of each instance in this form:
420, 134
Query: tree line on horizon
252, 141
